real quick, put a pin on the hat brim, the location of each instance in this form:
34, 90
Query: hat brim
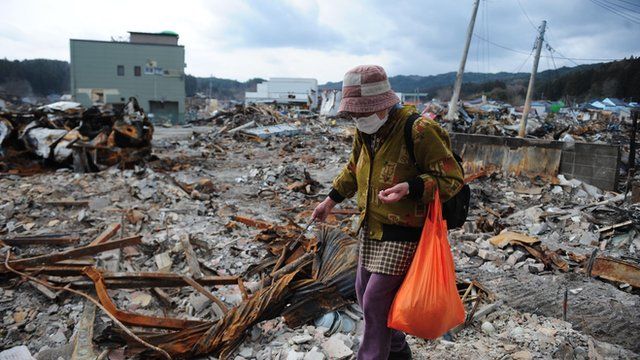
368, 104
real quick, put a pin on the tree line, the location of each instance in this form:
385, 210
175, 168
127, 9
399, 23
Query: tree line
621, 79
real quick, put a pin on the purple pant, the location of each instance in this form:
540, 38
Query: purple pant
375, 294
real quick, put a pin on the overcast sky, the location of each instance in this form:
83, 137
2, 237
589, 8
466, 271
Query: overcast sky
242, 39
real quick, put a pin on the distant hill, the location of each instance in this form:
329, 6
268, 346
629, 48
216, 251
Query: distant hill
220, 88
619, 79
417, 83
34, 77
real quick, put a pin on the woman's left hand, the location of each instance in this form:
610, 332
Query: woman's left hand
394, 193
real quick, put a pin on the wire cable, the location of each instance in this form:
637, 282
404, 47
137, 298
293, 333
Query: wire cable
620, 6
559, 57
617, 12
528, 18
630, 3
517, 70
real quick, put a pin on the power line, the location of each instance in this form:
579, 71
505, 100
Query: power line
617, 12
562, 56
620, 6
552, 59
528, 18
498, 45
630, 3
525, 53
524, 62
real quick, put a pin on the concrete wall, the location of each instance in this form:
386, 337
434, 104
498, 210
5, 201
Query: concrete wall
596, 164
94, 68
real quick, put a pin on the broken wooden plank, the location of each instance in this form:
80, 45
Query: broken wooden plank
488, 309
44, 290
615, 226
71, 254
222, 308
43, 239
190, 255
163, 297
243, 126
107, 234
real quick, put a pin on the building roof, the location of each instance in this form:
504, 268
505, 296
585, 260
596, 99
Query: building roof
163, 33
614, 102
125, 43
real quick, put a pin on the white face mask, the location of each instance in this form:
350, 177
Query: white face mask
370, 124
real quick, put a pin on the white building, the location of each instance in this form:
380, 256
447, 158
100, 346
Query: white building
291, 91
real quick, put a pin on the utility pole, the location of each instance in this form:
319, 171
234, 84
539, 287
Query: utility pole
452, 114
527, 103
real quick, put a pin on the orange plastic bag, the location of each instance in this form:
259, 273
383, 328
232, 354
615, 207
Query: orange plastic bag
427, 304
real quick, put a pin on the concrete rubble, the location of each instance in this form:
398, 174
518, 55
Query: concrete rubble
199, 251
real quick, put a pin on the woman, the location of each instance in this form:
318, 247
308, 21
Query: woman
392, 194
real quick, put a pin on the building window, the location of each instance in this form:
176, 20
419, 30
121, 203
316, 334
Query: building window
120, 70
136, 71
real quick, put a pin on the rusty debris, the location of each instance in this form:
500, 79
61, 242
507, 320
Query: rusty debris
67, 135
615, 270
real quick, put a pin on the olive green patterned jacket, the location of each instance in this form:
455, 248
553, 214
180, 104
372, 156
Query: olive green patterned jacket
391, 165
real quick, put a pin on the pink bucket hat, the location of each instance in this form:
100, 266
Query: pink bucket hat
366, 89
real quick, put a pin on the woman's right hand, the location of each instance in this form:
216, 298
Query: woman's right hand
323, 209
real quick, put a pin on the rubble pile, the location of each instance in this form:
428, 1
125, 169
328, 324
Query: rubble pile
489, 117
64, 134
208, 251
256, 115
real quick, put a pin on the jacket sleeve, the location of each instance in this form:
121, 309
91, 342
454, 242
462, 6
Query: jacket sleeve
345, 184
432, 148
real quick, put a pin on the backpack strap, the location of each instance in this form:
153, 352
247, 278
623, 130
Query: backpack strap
408, 137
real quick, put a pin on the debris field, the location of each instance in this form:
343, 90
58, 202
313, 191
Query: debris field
204, 250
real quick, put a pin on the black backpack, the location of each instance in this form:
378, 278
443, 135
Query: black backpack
456, 209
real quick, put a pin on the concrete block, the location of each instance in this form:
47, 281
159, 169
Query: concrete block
489, 255
468, 248
536, 268
516, 257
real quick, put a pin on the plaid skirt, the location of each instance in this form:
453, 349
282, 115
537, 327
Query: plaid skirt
385, 257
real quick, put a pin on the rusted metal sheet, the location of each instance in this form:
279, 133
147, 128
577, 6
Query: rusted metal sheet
128, 318
529, 161
331, 284
221, 338
72, 253
134, 280
43, 239
548, 258
107, 234
616, 270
